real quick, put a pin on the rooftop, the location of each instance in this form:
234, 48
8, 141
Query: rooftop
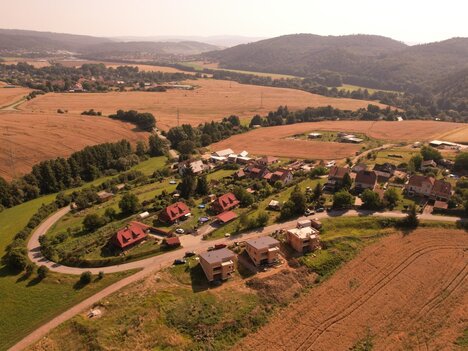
263, 242
304, 233
218, 256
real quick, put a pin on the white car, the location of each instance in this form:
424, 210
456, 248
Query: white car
179, 231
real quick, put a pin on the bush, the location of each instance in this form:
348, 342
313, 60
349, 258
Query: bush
42, 272
85, 278
101, 275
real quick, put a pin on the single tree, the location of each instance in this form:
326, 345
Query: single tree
93, 221
42, 272
129, 204
391, 198
202, 186
342, 199
347, 182
85, 278
370, 200
411, 220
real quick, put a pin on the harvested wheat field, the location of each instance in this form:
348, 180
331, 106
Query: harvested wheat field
406, 292
272, 140
212, 100
11, 95
26, 138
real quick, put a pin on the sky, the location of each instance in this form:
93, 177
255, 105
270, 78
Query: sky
411, 21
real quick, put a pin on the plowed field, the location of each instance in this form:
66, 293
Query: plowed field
404, 292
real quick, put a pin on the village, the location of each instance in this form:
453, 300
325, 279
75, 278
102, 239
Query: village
244, 183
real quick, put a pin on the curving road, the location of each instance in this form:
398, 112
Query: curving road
156, 263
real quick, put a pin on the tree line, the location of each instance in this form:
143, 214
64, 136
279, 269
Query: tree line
144, 121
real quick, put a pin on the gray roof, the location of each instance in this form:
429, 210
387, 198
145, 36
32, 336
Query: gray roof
217, 256
262, 242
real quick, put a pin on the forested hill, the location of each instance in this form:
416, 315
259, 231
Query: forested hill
28, 40
367, 60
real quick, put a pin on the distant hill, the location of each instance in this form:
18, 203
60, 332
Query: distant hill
222, 41
368, 60
23, 42
15, 39
146, 49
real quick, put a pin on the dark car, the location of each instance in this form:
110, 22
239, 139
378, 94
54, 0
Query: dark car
320, 209
181, 261
190, 253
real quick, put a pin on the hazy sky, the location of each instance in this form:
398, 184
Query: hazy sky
405, 20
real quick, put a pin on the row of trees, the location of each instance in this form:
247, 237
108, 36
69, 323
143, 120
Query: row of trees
144, 121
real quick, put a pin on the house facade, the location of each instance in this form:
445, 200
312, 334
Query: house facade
365, 180
218, 264
263, 250
304, 239
420, 185
335, 176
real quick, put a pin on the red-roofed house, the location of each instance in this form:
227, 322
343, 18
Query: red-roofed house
130, 235
174, 212
441, 191
226, 217
225, 203
173, 241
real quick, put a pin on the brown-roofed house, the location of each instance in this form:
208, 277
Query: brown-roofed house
104, 196
225, 203
283, 175
420, 185
267, 160
132, 234
263, 250
365, 180
174, 212
441, 191
218, 264
336, 175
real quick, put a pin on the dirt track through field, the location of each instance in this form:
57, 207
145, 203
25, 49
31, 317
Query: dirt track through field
11, 95
408, 292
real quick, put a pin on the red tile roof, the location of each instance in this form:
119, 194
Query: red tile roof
226, 202
173, 241
366, 177
175, 211
442, 188
227, 216
131, 234
418, 180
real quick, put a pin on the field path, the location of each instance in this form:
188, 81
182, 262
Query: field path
153, 264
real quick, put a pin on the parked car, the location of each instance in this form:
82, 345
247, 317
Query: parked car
180, 231
309, 212
227, 235
220, 246
210, 248
190, 253
320, 209
180, 261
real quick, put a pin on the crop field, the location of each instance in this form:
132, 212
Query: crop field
11, 95
211, 100
276, 141
395, 293
27, 138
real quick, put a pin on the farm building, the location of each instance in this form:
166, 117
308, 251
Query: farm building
303, 239
218, 264
174, 212
132, 234
225, 202
196, 167
223, 153
267, 160
428, 164
274, 205
263, 250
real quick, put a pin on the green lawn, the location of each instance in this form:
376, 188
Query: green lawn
356, 87
332, 136
383, 156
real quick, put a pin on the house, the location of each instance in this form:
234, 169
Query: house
226, 217
359, 167
419, 185
267, 160
446, 163
335, 177
225, 202
441, 190
283, 175
440, 205
218, 264
400, 175
256, 172
196, 167
303, 239
314, 135
384, 171
174, 212
274, 205
428, 164
263, 250
240, 174
365, 180
132, 234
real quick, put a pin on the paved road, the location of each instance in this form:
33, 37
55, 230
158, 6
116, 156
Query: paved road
156, 263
